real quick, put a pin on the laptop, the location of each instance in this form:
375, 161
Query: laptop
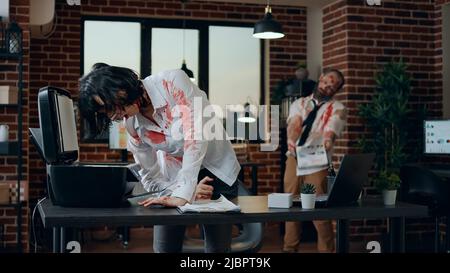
348, 183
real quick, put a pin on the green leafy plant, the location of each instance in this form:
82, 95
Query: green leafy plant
308, 189
387, 181
386, 117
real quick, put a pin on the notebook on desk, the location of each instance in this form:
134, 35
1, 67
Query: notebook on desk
348, 183
220, 205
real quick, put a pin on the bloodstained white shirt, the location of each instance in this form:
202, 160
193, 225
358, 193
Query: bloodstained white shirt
178, 138
330, 119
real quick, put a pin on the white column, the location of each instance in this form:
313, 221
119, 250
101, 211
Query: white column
314, 29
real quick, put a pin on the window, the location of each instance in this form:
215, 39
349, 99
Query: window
167, 49
224, 57
114, 43
234, 67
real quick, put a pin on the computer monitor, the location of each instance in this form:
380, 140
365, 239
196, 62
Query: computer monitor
58, 126
437, 136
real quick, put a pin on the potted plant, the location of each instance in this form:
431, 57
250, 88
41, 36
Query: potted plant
386, 117
391, 125
388, 184
308, 196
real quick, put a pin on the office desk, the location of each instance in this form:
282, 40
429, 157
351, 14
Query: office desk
441, 172
254, 209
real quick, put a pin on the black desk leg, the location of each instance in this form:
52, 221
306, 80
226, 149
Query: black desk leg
56, 237
255, 180
241, 175
447, 235
125, 236
397, 234
342, 230
62, 242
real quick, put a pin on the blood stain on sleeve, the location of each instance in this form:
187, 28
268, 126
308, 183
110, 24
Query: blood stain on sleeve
155, 137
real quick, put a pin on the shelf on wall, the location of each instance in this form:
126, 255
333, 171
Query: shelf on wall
14, 63
9, 148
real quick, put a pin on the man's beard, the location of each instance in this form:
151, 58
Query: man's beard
319, 96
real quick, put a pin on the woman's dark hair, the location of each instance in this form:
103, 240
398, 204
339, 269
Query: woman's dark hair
116, 86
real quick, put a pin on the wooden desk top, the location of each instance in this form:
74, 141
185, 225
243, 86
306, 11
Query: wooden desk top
253, 209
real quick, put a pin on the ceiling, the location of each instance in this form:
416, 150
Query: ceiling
301, 3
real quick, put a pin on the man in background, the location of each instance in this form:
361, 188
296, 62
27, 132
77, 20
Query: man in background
317, 118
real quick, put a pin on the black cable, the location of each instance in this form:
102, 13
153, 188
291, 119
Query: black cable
33, 226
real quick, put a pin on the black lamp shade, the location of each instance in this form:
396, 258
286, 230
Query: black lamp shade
187, 71
247, 116
268, 28
13, 39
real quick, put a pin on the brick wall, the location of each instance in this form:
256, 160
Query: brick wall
437, 76
56, 61
438, 61
359, 40
19, 11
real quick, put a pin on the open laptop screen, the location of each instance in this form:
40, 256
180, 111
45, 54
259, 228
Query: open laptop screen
352, 175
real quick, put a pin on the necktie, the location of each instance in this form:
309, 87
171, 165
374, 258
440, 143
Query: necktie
307, 124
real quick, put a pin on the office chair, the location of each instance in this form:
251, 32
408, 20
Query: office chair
422, 186
249, 239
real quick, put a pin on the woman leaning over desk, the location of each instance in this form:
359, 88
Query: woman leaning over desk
158, 112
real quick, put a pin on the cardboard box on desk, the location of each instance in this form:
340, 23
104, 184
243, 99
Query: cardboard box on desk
279, 200
8, 94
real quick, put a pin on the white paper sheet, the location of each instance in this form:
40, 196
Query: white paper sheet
313, 155
220, 205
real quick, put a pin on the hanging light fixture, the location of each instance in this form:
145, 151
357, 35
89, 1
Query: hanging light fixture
268, 28
183, 65
246, 116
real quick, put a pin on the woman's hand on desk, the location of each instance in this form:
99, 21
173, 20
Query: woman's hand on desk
167, 201
204, 191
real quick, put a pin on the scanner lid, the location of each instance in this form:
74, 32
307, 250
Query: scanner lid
58, 125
